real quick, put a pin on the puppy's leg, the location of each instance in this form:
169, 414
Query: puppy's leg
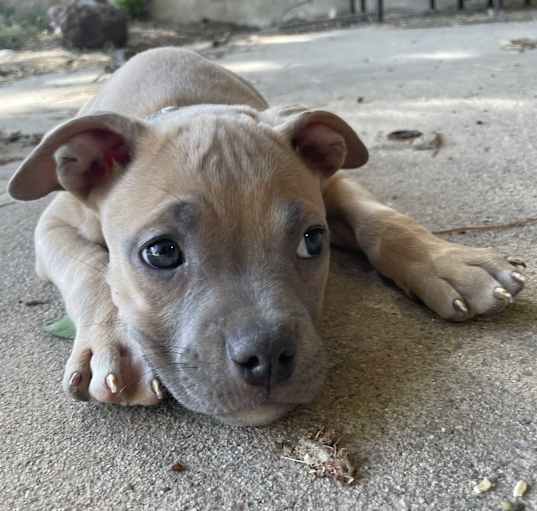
455, 281
103, 365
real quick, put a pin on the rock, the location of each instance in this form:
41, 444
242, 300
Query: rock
92, 24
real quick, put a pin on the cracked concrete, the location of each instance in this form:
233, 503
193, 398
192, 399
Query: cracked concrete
428, 408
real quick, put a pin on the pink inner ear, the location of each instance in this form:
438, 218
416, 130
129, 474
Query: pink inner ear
113, 147
88, 160
321, 147
114, 151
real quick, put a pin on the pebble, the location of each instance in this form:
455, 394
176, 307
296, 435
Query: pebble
483, 486
520, 488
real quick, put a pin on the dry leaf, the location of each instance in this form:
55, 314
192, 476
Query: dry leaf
404, 135
63, 328
321, 453
177, 467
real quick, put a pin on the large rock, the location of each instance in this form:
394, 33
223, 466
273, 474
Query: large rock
92, 24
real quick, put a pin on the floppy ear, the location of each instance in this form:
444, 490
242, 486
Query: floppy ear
324, 141
79, 156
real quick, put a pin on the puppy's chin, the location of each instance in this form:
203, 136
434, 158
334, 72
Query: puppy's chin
259, 416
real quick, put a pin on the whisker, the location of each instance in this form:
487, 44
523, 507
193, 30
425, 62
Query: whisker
160, 349
151, 370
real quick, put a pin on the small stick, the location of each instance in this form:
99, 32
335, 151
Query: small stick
488, 227
295, 460
292, 8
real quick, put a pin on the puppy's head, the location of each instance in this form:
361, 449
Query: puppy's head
218, 242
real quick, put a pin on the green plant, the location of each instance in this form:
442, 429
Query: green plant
35, 18
16, 27
12, 37
134, 8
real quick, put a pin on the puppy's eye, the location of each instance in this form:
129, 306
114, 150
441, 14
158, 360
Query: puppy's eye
163, 254
311, 245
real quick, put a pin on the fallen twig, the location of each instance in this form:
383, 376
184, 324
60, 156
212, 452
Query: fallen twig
488, 227
222, 42
522, 44
292, 8
434, 144
295, 460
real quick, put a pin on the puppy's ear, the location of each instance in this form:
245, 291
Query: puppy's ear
324, 141
79, 156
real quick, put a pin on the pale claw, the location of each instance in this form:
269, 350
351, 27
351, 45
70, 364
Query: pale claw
460, 306
518, 277
155, 385
75, 379
111, 383
503, 295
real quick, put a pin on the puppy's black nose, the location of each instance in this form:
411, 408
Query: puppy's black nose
261, 359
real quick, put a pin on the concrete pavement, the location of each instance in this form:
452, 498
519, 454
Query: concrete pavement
428, 408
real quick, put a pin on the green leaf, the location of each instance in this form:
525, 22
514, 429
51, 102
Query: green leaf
63, 328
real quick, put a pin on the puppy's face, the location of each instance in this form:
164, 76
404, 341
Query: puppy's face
218, 242
218, 261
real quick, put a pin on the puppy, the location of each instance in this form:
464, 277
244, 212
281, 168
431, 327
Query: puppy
191, 234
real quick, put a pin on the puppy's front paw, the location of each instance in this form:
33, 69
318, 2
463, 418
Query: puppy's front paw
104, 369
460, 282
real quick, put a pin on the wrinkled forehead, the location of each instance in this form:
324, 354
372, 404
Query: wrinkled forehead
228, 166
234, 149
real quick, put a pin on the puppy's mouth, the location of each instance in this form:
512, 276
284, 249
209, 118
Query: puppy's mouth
255, 411
261, 415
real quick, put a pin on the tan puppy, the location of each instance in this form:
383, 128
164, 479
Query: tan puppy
191, 242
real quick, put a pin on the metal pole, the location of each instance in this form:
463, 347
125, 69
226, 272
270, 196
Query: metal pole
363, 6
380, 10
433, 5
352, 6
461, 5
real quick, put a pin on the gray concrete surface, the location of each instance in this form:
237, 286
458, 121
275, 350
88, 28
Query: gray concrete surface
428, 408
